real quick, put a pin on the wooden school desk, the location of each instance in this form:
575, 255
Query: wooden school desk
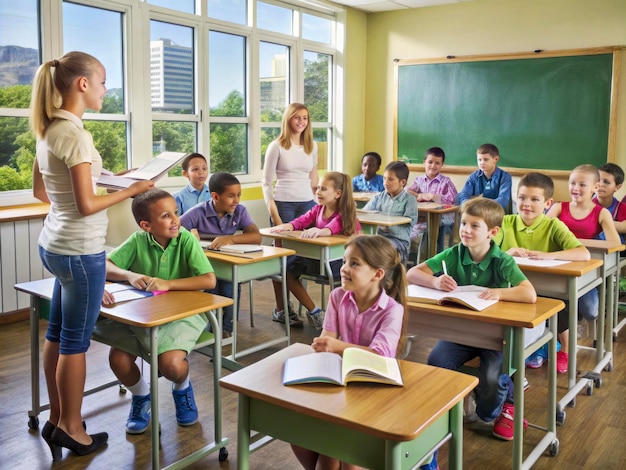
361, 198
434, 211
569, 282
501, 328
371, 425
239, 268
609, 253
370, 221
323, 249
149, 312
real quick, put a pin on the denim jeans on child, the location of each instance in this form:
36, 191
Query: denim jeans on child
494, 387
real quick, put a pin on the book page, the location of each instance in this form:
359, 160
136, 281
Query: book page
464, 295
360, 365
539, 262
240, 248
315, 367
125, 292
156, 166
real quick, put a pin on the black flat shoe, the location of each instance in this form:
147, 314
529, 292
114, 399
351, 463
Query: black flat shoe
62, 439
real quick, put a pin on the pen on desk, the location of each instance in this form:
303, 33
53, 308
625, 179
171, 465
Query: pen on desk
445, 270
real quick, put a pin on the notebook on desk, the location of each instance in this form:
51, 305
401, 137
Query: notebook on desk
235, 248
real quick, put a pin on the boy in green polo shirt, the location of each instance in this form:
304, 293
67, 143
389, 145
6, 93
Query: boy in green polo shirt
478, 261
530, 234
163, 256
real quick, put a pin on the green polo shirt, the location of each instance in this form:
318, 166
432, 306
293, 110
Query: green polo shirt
496, 270
546, 234
140, 253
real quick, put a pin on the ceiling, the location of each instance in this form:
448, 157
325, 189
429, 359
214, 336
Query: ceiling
372, 6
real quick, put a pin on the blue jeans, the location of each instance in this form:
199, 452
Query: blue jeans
225, 289
76, 298
588, 306
291, 210
494, 387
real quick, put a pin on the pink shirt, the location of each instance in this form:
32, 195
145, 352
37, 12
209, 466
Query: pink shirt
440, 184
315, 218
379, 327
587, 228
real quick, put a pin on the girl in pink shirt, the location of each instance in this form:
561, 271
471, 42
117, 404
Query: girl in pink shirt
367, 311
335, 214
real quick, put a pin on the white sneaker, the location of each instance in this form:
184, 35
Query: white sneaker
316, 318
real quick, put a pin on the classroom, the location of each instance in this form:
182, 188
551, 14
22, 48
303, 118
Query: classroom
372, 37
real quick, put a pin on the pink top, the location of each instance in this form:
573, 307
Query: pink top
315, 218
440, 184
379, 327
587, 228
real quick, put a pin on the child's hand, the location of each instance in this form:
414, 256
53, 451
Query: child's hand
156, 284
490, 294
325, 344
282, 228
520, 252
446, 283
540, 255
138, 281
108, 298
314, 232
219, 242
195, 233
141, 186
425, 197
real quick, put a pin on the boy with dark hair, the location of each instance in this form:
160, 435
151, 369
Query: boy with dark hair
478, 261
161, 257
395, 200
222, 217
488, 181
368, 180
196, 170
611, 180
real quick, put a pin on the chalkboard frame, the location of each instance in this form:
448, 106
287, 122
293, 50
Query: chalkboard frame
615, 51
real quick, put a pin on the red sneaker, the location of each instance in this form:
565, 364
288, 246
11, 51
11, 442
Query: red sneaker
503, 425
562, 360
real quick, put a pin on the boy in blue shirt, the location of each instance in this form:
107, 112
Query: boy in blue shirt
395, 200
611, 180
196, 170
161, 257
222, 216
479, 261
488, 181
368, 180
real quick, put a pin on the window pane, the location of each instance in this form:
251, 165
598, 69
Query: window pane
315, 28
17, 152
227, 74
274, 18
109, 137
174, 137
228, 10
186, 6
229, 148
321, 136
317, 70
19, 42
81, 22
274, 68
171, 68
267, 136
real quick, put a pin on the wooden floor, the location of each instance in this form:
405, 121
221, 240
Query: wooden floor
592, 437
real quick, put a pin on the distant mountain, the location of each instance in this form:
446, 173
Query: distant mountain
17, 65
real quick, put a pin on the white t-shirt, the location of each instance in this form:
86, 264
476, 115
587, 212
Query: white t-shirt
291, 169
66, 144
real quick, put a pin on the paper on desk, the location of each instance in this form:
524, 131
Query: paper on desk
546, 263
125, 292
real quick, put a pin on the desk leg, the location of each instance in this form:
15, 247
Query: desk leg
154, 393
518, 420
434, 220
235, 282
33, 414
283, 275
217, 374
455, 449
243, 433
325, 266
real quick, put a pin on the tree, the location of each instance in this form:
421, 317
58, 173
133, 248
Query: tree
228, 141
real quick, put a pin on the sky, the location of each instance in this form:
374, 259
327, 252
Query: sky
99, 32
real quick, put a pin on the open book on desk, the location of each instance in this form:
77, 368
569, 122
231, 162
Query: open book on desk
154, 170
357, 365
123, 292
466, 296
545, 263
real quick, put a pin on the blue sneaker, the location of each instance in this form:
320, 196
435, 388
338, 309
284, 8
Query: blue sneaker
186, 410
139, 416
432, 465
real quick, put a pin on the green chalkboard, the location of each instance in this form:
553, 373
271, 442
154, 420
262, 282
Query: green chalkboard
544, 113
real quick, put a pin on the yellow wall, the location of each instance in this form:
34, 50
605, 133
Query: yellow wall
482, 27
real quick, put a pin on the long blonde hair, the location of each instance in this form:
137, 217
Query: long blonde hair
345, 203
306, 138
53, 80
378, 252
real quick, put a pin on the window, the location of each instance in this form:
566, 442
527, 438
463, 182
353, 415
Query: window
211, 81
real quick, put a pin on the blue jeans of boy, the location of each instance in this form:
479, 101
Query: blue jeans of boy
494, 387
